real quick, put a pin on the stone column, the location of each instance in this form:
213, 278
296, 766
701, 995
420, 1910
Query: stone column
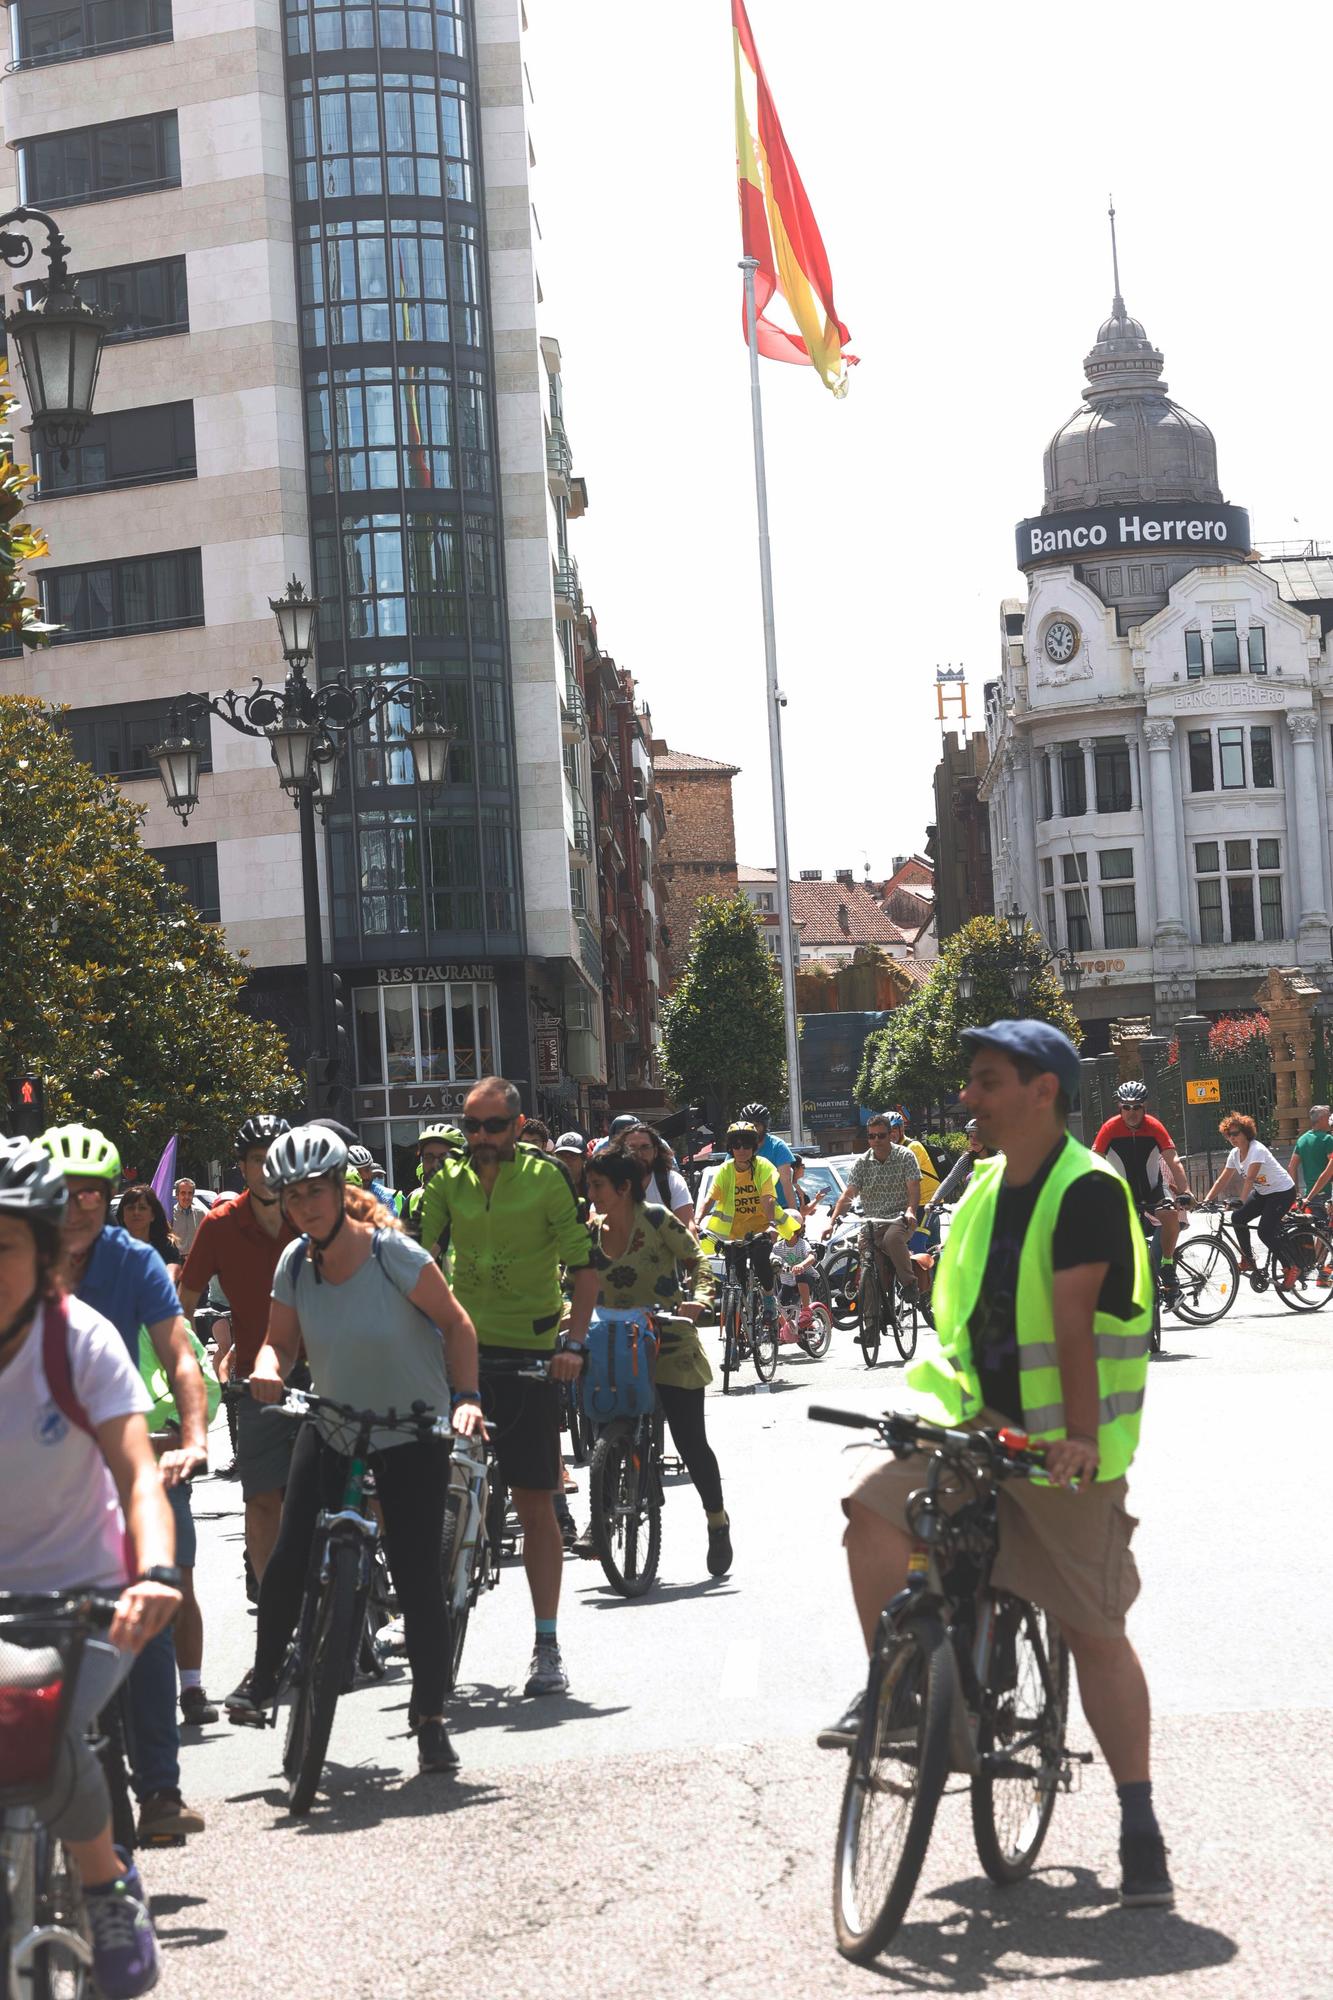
1302, 832
1024, 833
1089, 773
1159, 735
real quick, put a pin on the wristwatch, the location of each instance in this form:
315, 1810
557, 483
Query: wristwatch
166, 1574
568, 1346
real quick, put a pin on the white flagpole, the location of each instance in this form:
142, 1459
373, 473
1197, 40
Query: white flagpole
786, 934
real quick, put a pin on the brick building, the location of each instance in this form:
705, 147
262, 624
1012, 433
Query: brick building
959, 839
698, 847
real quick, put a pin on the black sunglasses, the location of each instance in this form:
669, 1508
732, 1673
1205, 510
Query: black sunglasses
487, 1124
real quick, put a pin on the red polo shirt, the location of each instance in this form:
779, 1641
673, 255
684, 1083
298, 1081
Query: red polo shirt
232, 1246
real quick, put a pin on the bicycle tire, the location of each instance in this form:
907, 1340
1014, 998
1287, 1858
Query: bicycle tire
729, 1320
456, 1617
764, 1345
113, 1755
624, 1507
869, 1337
1206, 1270
1307, 1249
1011, 1815
906, 1326
817, 1339
919, 1678
57, 1972
334, 1630
581, 1435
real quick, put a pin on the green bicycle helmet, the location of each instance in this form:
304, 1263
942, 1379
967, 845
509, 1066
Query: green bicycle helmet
79, 1149
442, 1135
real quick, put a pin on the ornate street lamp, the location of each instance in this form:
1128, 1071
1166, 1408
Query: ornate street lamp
292, 740
296, 614
967, 983
1017, 922
59, 338
324, 772
178, 758
430, 742
1017, 963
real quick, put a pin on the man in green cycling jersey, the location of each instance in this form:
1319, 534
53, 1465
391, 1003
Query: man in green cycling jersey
435, 1145
508, 1217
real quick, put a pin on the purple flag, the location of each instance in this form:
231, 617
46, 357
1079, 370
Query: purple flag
164, 1180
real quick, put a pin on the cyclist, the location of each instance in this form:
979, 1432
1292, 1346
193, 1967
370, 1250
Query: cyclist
929, 1178
1311, 1156
509, 1218
663, 1182
745, 1194
639, 1248
371, 1309
1267, 1190
435, 1145
959, 1177
1142, 1151
238, 1243
1043, 1304
78, 1481
127, 1282
776, 1151
888, 1180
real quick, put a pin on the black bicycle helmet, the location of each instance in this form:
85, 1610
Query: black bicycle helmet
755, 1114
260, 1130
1132, 1092
624, 1121
32, 1186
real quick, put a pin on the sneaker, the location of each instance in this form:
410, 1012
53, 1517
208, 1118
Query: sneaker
583, 1545
1245, 1267
247, 1707
196, 1708
1289, 1277
547, 1673
1145, 1883
164, 1817
719, 1549
434, 1750
569, 1533
125, 1960
805, 1319
842, 1734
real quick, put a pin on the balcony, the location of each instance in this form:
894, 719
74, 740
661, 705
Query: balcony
573, 713
590, 952
568, 596
559, 460
582, 841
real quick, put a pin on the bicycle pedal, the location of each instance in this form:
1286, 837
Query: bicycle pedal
161, 1840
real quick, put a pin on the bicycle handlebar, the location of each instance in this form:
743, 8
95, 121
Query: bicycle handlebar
421, 1418
93, 1607
1003, 1450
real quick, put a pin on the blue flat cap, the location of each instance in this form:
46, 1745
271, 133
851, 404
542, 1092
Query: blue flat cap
1038, 1041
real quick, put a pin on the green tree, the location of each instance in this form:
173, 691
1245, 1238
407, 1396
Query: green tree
722, 1028
115, 990
917, 1057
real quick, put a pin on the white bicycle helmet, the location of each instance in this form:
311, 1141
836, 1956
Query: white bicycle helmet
308, 1153
1132, 1092
32, 1186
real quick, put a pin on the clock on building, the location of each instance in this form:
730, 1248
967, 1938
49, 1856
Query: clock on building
1061, 641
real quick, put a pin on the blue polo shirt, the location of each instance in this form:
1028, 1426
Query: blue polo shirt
127, 1282
779, 1155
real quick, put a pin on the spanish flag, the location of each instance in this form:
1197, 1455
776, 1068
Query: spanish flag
779, 229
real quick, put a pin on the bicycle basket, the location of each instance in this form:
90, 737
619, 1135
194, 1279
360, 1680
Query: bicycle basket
39, 1664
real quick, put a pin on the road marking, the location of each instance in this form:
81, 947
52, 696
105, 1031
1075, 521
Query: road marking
740, 1671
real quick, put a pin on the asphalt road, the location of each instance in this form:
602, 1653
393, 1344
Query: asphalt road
669, 1827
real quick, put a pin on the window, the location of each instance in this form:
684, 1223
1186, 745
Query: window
389, 569
1226, 650
147, 299
1110, 763
471, 884
1231, 758
100, 162
367, 280
110, 600
1194, 655
402, 24
1048, 901
1261, 758
1256, 650
1235, 877
1120, 927
1201, 760
431, 1031
1078, 924
50, 31
127, 448
480, 751
193, 869
1073, 781
764, 900
377, 427
117, 740
365, 134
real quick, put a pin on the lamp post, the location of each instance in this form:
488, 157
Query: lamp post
306, 726
59, 338
1016, 962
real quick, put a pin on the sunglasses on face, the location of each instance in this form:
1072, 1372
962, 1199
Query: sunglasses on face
492, 1125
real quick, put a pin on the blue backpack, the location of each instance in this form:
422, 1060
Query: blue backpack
618, 1378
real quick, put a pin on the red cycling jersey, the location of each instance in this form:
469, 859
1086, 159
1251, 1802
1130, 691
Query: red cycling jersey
1136, 1155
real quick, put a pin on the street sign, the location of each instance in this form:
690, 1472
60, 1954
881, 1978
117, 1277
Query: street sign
1204, 1090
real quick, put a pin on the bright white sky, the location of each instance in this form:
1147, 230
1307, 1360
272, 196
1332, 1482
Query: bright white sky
958, 161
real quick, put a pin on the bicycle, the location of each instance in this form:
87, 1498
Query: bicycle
900, 1308
817, 1337
327, 1647
1299, 1266
961, 1679
626, 1494
747, 1333
45, 1947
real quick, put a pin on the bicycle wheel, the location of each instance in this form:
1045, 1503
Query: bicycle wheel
626, 1513
59, 1971
334, 1630
905, 1326
112, 1734
1301, 1266
581, 1439
895, 1778
1023, 1724
818, 1338
870, 1314
730, 1321
1207, 1280
457, 1613
763, 1340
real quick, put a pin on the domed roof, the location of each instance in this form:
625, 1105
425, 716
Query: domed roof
1127, 440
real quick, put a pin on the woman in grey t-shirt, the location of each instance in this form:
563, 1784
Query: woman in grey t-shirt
381, 1331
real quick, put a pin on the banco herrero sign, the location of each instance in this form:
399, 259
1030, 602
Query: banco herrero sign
1134, 529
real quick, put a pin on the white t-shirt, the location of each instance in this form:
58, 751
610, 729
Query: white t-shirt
60, 1518
1271, 1178
673, 1195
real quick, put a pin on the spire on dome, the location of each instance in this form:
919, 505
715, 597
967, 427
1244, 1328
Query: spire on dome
1117, 303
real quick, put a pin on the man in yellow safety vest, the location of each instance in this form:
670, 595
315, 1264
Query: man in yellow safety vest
1043, 1304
